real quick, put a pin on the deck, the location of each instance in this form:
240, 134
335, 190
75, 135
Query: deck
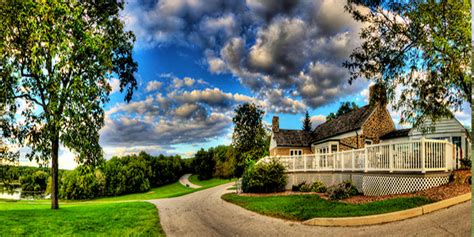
413, 156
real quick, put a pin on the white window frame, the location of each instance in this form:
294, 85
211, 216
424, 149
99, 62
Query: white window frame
325, 148
296, 152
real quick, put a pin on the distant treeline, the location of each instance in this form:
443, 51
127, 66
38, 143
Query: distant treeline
217, 162
117, 176
121, 175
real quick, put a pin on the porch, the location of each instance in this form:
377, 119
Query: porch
421, 156
386, 168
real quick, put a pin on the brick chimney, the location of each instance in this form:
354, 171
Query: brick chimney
275, 124
377, 95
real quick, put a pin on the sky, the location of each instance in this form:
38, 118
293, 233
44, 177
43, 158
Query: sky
197, 60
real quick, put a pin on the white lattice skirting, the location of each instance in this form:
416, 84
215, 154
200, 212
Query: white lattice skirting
382, 185
374, 184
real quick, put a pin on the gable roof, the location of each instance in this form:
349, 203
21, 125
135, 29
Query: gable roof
396, 134
296, 138
344, 123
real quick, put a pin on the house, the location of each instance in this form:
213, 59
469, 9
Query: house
370, 124
449, 129
365, 125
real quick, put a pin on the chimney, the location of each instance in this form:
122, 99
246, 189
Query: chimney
275, 124
377, 95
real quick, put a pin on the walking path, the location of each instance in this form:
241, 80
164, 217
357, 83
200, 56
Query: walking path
204, 213
184, 180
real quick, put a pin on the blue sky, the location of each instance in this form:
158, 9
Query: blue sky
198, 60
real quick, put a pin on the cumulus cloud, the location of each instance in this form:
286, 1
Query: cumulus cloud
292, 48
115, 85
153, 86
177, 117
317, 120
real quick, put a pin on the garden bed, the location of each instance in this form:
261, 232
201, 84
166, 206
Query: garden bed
458, 186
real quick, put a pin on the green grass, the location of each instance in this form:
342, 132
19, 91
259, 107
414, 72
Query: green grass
209, 183
108, 216
304, 207
170, 190
110, 219
166, 191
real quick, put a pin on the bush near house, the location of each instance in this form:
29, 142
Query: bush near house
343, 190
466, 164
317, 187
264, 177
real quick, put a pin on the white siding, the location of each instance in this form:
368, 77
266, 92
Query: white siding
445, 126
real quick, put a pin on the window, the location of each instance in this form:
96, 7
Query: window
296, 152
368, 142
333, 148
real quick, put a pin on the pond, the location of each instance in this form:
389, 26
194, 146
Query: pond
14, 194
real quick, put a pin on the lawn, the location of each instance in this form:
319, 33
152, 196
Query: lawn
170, 190
108, 216
109, 219
304, 207
209, 183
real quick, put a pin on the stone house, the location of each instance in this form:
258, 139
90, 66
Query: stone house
353, 130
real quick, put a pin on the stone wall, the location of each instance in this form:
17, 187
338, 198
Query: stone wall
350, 143
378, 124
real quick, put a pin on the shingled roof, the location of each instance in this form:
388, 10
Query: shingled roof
396, 133
342, 124
294, 138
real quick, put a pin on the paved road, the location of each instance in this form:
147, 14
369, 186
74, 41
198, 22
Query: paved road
204, 213
184, 180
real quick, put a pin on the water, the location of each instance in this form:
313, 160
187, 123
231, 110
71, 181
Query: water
15, 195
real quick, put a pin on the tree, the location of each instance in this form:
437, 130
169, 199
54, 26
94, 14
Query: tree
307, 122
344, 108
421, 48
249, 137
204, 164
57, 59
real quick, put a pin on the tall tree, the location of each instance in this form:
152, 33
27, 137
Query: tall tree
344, 108
307, 122
249, 138
57, 58
421, 48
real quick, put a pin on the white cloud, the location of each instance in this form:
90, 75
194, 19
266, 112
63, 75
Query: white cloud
153, 86
317, 120
115, 84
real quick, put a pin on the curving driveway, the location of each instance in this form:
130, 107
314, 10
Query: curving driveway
204, 213
184, 180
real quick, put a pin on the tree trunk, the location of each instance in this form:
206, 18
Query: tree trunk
54, 172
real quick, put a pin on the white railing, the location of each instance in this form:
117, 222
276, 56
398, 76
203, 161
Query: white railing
417, 156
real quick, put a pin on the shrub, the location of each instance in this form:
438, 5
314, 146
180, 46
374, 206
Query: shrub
341, 191
264, 177
305, 188
297, 187
466, 163
318, 187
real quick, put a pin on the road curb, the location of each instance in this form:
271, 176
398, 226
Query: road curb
388, 217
